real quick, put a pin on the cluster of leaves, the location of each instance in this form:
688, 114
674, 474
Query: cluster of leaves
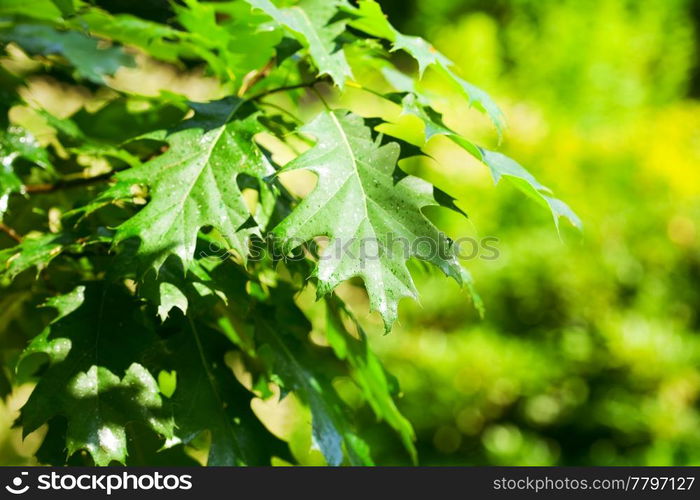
130, 224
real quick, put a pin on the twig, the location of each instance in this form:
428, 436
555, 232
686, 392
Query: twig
68, 183
361, 87
10, 232
284, 89
250, 79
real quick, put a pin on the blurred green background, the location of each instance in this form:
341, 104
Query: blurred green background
589, 351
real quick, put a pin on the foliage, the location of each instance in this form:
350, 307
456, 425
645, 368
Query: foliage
166, 245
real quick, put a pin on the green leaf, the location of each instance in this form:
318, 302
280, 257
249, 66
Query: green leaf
125, 118
313, 24
368, 373
83, 134
193, 184
158, 40
233, 32
411, 105
368, 17
209, 398
82, 52
375, 223
476, 298
476, 96
274, 333
99, 411
39, 251
94, 378
167, 382
37, 9
67, 7
170, 296
500, 165
298, 370
32, 252
16, 143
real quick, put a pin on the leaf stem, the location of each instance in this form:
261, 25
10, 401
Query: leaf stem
284, 89
10, 232
68, 183
203, 359
356, 85
318, 94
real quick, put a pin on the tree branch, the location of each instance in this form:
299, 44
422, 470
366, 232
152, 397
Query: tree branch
10, 232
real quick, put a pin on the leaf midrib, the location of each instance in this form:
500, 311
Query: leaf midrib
210, 151
206, 157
